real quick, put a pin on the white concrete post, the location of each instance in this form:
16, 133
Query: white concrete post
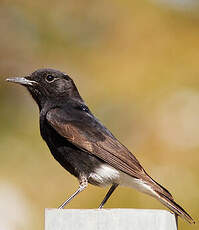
109, 219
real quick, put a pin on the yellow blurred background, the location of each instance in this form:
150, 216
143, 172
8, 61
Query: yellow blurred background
136, 64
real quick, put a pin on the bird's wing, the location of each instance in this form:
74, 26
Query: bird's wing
92, 137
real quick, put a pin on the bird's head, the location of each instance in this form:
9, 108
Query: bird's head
48, 85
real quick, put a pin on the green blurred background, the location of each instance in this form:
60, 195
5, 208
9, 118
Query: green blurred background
136, 64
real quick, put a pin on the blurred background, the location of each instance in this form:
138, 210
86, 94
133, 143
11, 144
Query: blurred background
136, 64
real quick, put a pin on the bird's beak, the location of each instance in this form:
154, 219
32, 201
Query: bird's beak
21, 81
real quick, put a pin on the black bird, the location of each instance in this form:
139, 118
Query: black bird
82, 145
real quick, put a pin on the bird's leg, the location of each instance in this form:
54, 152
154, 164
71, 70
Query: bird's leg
110, 191
83, 183
176, 218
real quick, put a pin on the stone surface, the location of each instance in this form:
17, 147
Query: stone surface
109, 219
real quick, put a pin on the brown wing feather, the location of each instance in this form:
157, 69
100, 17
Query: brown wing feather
107, 148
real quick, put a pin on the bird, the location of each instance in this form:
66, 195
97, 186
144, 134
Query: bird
83, 145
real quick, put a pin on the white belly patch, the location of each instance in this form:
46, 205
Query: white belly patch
107, 175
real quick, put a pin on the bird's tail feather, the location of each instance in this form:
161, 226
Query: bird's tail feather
173, 206
165, 197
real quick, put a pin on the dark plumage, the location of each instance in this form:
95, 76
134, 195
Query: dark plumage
82, 145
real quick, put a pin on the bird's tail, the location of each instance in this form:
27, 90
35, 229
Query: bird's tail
173, 206
149, 186
166, 198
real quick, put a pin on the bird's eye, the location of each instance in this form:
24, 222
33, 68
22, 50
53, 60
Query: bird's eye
50, 78
84, 108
